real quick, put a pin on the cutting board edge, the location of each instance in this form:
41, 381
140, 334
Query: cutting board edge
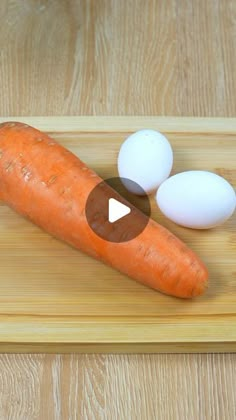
118, 348
34, 334
128, 123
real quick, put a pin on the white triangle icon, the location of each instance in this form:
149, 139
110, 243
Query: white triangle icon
116, 210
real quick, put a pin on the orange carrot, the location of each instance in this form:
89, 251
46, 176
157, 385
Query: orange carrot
49, 185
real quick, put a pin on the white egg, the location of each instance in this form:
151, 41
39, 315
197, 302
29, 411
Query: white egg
196, 199
145, 158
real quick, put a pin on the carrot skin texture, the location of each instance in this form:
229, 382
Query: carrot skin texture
49, 185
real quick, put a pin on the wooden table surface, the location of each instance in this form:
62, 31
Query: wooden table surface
71, 57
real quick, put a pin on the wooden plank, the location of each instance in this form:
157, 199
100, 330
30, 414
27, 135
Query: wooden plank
54, 298
118, 58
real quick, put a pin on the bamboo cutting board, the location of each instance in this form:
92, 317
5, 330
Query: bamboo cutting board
55, 299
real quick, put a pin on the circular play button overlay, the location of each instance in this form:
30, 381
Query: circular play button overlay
115, 214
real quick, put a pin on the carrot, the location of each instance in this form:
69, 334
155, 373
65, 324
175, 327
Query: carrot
49, 185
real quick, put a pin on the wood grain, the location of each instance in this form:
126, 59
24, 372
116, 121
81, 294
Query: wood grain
74, 58
119, 387
108, 57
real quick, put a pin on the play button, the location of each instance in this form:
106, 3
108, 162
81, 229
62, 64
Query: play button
117, 210
115, 214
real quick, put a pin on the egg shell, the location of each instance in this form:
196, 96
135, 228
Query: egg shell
146, 158
196, 199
